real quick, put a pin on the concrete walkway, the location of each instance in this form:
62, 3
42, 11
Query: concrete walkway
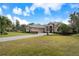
20, 37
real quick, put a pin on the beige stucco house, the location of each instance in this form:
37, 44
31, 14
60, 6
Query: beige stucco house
50, 27
35, 28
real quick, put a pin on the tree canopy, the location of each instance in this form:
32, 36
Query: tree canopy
4, 24
74, 22
64, 29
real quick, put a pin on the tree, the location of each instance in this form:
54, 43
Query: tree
13, 27
17, 25
4, 24
23, 28
74, 22
64, 29
31, 23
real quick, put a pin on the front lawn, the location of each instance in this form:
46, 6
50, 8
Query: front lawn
43, 46
14, 34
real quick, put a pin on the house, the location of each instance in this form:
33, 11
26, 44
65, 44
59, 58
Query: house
37, 28
53, 26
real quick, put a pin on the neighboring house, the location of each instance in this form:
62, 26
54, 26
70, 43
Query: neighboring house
50, 27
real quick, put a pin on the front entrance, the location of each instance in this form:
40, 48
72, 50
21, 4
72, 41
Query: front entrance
50, 29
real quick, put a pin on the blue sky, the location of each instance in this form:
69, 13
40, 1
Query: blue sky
38, 12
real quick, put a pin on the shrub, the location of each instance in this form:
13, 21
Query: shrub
65, 29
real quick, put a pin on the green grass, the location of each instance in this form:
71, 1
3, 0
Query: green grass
42, 46
14, 34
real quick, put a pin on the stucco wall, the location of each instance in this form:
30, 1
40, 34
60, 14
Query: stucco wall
37, 29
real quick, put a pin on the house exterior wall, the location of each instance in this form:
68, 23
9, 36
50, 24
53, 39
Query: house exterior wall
38, 30
35, 29
54, 27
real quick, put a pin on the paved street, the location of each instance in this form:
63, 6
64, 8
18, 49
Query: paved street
20, 37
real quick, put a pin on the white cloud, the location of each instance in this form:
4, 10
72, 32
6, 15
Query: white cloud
26, 12
46, 7
74, 5
13, 19
22, 21
17, 10
66, 21
1, 11
27, 9
10, 17
5, 7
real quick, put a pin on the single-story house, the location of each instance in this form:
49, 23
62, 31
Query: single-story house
50, 27
35, 28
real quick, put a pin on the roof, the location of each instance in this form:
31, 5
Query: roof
55, 23
43, 26
37, 26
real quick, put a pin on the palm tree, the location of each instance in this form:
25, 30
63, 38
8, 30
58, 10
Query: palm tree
4, 24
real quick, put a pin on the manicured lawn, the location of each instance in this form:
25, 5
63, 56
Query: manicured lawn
43, 46
14, 34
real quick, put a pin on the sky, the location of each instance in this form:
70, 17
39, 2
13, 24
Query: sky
38, 13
